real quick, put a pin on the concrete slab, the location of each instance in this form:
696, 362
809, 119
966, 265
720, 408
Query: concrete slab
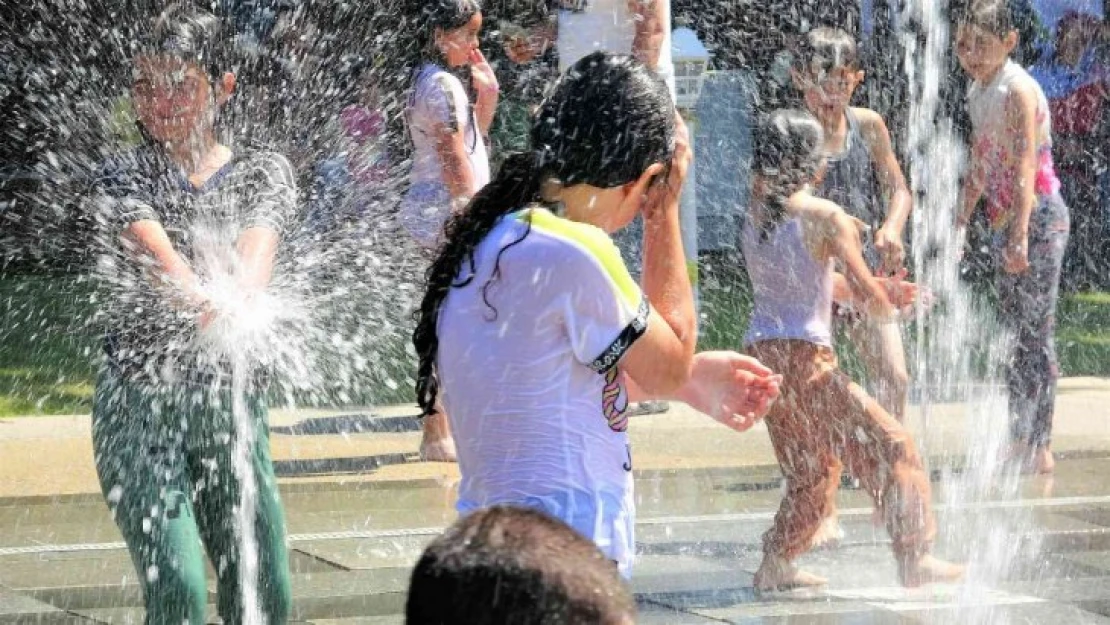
356, 554
16, 607
379, 592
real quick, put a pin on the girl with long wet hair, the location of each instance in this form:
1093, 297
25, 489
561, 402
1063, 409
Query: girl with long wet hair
535, 335
448, 130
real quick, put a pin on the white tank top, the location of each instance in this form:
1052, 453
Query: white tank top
792, 290
987, 106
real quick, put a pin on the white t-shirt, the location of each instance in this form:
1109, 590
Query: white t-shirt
438, 98
586, 26
531, 385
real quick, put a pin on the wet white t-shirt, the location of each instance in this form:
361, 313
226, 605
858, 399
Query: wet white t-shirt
438, 98
531, 381
586, 26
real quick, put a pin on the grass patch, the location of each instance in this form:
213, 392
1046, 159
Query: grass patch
48, 348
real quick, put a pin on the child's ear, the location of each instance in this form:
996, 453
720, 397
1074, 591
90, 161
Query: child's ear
1011, 40
860, 75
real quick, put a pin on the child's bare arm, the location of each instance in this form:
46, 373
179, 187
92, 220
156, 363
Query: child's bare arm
1021, 125
451, 147
844, 244
652, 17
151, 237
257, 248
975, 181
899, 201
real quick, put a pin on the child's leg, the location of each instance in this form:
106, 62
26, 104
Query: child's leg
880, 347
878, 449
218, 497
1028, 303
804, 450
141, 466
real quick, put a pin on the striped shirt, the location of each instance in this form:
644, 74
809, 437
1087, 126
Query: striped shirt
146, 333
531, 380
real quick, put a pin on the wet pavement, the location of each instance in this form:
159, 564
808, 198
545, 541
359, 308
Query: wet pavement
360, 508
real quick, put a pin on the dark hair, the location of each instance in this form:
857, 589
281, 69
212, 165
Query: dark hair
607, 120
993, 16
187, 32
786, 156
515, 565
445, 15
824, 49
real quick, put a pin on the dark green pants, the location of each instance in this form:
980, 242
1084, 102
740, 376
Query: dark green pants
165, 461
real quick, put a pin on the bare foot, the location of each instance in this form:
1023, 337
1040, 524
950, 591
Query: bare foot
828, 535
929, 570
1043, 462
777, 574
1030, 459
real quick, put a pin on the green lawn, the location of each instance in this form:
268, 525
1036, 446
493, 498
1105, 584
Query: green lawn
48, 348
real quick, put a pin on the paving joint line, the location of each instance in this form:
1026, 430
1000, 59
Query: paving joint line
419, 532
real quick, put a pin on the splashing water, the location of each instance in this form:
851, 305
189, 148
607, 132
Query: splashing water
946, 368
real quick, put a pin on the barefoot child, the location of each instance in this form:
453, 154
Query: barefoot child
536, 333
450, 162
163, 427
861, 175
791, 243
1012, 171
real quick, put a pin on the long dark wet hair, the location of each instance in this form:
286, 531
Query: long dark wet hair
607, 120
787, 155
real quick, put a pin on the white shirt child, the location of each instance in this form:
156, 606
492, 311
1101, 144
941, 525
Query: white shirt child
438, 98
531, 382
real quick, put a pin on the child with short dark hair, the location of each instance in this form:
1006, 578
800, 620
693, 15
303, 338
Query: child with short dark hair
509, 564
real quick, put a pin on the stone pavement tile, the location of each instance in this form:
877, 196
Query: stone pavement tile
1070, 591
1097, 563
128, 616
678, 574
16, 607
362, 620
1008, 614
53, 524
379, 592
361, 554
74, 580
651, 613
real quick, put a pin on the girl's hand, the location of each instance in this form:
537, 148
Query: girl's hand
482, 76
666, 193
901, 294
1015, 258
891, 249
733, 389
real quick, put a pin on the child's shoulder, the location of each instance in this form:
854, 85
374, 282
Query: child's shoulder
825, 216
869, 120
432, 75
